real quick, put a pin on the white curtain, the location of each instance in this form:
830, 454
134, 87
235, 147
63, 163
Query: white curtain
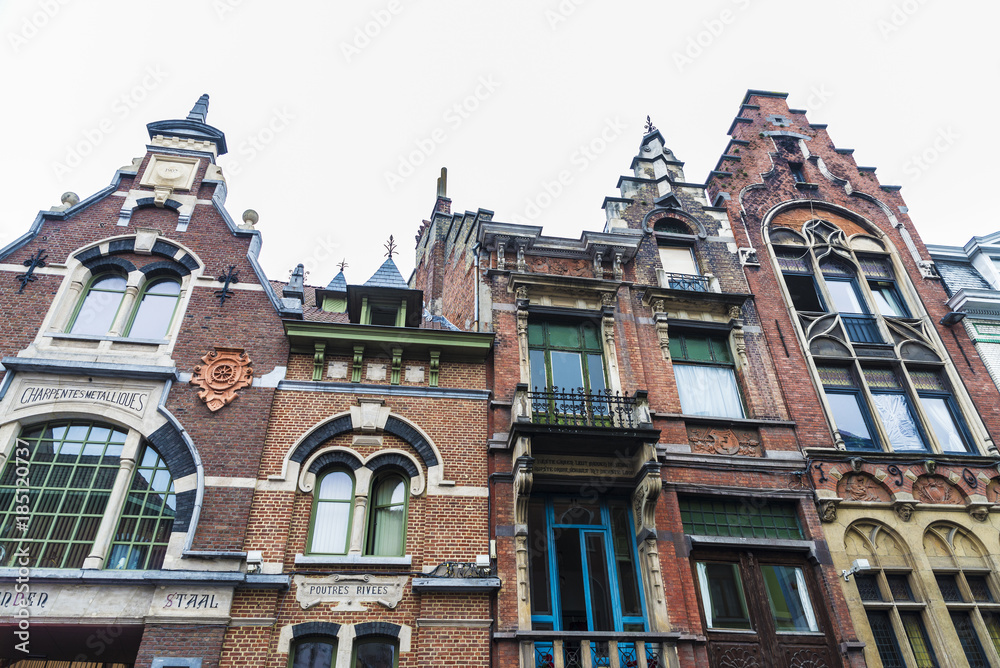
706, 596
708, 390
943, 423
898, 420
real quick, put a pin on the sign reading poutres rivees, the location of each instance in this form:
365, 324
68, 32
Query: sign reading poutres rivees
349, 592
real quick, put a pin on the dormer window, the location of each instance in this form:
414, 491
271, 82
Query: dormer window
386, 314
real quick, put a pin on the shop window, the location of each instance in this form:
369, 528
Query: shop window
387, 516
375, 653
566, 356
583, 566
155, 309
313, 652
73, 468
333, 511
705, 375
140, 541
96, 311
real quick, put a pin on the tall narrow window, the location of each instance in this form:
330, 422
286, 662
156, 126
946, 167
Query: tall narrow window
332, 513
155, 310
705, 375
147, 518
375, 654
95, 314
313, 652
894, 408
941, 411
796, 269
881, 281
850, 415
73, 466
387, 532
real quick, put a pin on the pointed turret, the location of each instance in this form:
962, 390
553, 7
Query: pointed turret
199, 112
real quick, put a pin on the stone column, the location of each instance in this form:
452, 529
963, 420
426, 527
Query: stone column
109, 522
124, 311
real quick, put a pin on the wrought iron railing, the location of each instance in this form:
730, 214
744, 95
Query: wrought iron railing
580, 408
861, 328
691, 282
596, 653
463, 569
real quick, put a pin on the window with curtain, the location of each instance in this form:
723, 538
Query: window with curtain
154, 310
333, 507
387, 512
705, 375
894, 408
140, 541
313, 652
96, 311
375, 653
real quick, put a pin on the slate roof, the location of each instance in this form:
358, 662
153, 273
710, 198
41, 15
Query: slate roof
960, 275
387, 276
339, 283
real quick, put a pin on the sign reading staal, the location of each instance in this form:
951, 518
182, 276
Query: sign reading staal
349, 592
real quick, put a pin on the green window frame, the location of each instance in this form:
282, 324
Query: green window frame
154, 309
389, 506
705, 375
102, 296
71, 468
375, 653
147, 518
740, 518
332, 516
567, 355
313, 652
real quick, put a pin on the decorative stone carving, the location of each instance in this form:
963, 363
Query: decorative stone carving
827, 511
739, 344
617, 266
993, 490
930, 466
734, 312
598, 266
807, 658
349, 592
716, 441
857, 463
521, 292
905, 511
663, 334
561, 266
861, 487
501, 262
644, 501
225, 370
522, 345
738, 657
979, 513
935, 489
521, 265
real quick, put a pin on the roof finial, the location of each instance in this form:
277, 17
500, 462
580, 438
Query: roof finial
199, 112
649, 125
442, 184
343, 265
390, 247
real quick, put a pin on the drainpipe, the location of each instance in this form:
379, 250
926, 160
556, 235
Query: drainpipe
475, 249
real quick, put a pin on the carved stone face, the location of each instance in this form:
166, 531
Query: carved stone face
905, 511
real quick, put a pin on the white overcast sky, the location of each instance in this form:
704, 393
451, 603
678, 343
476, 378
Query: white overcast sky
351, 128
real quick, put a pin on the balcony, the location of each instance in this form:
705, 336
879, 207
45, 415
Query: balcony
688, 282
861, 328
575, 407
570, 649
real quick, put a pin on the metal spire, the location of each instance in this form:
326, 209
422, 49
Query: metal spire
649, 126
199, 112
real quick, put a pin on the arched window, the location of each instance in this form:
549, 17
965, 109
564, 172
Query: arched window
95, 314
332, 512
147, 519
313, 652
387, 523
72, 468
155, 309
375, 653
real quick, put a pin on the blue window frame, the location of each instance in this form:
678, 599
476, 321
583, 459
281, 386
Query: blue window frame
850, 414
583, 566
895, 409
943, 416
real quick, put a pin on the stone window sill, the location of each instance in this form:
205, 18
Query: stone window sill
351, 560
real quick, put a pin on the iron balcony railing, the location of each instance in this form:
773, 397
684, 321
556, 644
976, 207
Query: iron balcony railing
600, 650
861, 328
577, 407
689, 282
463, 569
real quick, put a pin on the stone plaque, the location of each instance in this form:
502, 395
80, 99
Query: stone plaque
349, 592
376, 372
191, 601
336, 370
76, 601
725, 441
42, 393
414, 374
583, 466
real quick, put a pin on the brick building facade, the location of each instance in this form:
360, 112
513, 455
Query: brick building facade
662, 444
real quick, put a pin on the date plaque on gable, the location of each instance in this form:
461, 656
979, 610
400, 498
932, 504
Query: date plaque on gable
349, 592
175, 172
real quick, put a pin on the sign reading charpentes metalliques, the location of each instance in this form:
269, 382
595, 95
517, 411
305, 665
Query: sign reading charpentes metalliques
134, 401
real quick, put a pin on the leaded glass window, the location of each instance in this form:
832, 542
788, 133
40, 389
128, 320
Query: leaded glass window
71, 468
743, 518
147, 518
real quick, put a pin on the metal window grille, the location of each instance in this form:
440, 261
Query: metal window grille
147, 519
868, 587
899, 587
